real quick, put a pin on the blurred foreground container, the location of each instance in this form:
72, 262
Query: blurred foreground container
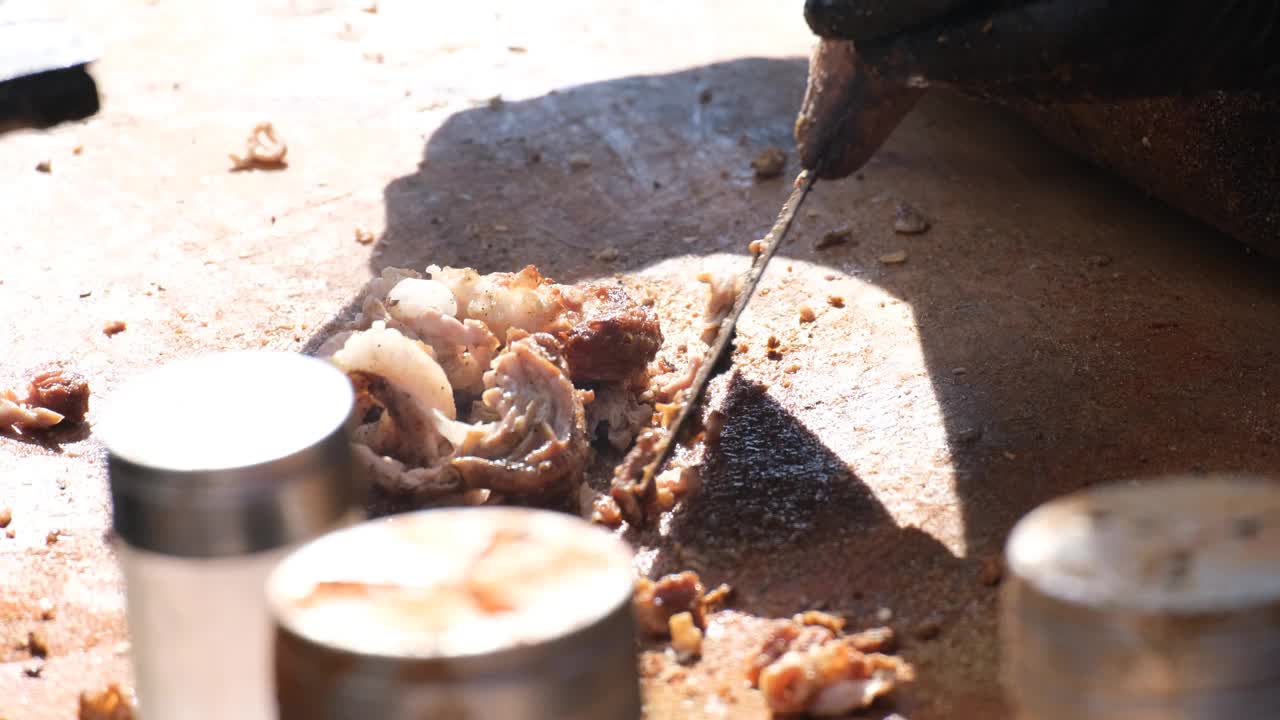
1145, 601
453, 614
219, 466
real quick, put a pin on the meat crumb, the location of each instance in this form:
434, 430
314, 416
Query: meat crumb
263, 150
47, 609
817, 618
704, 97
115, 327
33, 669
896, 257
44, 166
52, 537
835, 301
813, 669
608, 255
755, 247
807, 315
37, 645
927, 629
110, 704
54, 395
769, 163
992, 571
792, 368
579, 161
686, 637
656, 602
364, 235
6, 516
832, 238
772, 342
909, 221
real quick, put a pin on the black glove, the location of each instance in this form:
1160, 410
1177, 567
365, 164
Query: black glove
1063, 49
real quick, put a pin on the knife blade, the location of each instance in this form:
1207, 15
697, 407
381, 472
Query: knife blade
633, 496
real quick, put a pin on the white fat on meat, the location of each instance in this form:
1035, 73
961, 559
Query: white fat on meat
505, 301
401, 377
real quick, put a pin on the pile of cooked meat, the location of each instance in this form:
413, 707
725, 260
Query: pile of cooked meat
475, 388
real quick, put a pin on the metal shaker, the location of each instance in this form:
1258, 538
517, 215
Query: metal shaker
219, 465
458, 614
1146, 600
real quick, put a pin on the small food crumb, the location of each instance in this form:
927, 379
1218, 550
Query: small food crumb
831, 238
686, 638
517, 49
496, 102
807, 315
769, 163
579, 161
992, 570
817, 618
37, 645
115, 327
835, 301
370, 7
969, 435
6, 516
1099, 260
44, 166
110, 704
608, 255
884, 615
10, 533
909, 221
33, 669
77, 150
263, 150
704, 97
364, 235
52, 537
894, 258
793, 368
927, 629
47, 609
755, 247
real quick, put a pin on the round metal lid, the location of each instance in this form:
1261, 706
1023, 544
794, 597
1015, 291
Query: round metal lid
451, 584
1151, 599
229, 453
1177, 545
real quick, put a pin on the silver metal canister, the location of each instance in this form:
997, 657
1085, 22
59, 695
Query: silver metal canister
458, 614
1146, 600
219, 466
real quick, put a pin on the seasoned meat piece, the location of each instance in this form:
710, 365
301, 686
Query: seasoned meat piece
813, 670
110, 704
723, 293
618, 411
615, 339
656, 602
538, 443
63, 391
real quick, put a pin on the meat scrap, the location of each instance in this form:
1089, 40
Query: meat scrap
656, 602
615, 339
769, 163
263, 150
467, 384
110, 704
55, 396
814, 669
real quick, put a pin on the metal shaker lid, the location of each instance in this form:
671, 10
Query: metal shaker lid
1146, 598
502, 612
229, 453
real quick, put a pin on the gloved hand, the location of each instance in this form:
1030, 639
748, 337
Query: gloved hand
1045, 50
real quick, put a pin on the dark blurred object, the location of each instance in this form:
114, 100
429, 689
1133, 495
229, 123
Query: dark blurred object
1180, 98
1057, 50
44, 80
